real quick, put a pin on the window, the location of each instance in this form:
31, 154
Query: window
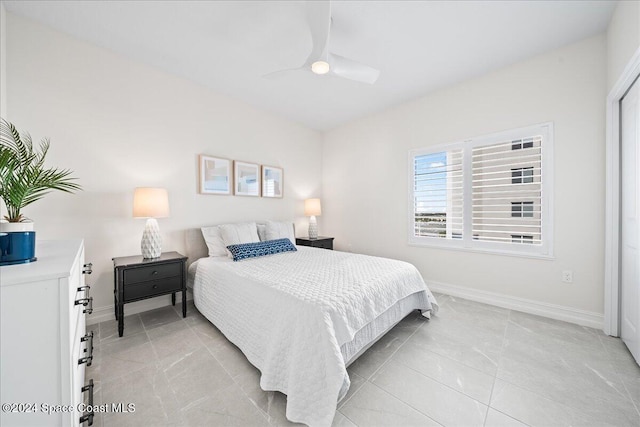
491, 193
438, 194
522, 209
522, 143
521, 238
522, 175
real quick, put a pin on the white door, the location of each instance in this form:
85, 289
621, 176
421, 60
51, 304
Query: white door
630, 219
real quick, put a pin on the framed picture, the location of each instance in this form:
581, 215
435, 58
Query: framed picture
272, 181
246, 178
215, 175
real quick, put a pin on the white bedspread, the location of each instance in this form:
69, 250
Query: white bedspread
290, 313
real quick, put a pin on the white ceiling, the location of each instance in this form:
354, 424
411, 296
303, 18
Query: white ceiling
419, 46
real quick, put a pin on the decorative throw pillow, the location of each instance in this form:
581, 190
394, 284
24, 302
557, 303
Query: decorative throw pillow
280, 230
234, 234
258, 249
213, 239
262, 232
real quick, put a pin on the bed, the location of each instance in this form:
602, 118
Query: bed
302, 317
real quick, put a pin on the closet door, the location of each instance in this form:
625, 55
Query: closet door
629, 220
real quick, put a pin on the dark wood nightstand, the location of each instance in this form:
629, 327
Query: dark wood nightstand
320, 242
136, 278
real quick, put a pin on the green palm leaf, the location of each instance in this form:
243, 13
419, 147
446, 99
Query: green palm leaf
23, 178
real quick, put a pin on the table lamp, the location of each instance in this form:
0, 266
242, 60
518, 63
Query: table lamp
312, 209
151, 203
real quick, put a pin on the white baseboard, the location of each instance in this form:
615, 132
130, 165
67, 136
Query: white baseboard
553, 311
103, 314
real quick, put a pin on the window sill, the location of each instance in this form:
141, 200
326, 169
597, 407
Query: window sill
546, 257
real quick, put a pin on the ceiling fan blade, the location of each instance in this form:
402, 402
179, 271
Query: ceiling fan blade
280, 73
352, 70
319, 20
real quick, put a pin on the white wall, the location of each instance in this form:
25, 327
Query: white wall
623, 38
365, 175
3, 60
119, 124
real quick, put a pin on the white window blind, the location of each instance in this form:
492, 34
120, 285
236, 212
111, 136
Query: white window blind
491, 193
497, 186
437, 194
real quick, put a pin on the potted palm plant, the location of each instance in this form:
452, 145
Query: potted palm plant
24, 180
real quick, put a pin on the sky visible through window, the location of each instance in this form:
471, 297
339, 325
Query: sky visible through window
431, 177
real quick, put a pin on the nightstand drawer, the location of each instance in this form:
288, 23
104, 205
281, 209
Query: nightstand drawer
149, 289
324, 244
152, 272
321, 242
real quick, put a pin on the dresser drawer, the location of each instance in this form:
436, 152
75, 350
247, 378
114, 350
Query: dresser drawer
152, 272
149, 289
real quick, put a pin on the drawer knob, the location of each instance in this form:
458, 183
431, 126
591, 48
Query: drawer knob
155, 272
86, 302
83, 301
88, 349
88, 268
87, 417
155, 286
86, 360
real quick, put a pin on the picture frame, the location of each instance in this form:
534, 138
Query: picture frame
246, 178
215, 175
272, 181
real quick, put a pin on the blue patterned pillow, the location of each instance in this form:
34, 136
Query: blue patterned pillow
269, 247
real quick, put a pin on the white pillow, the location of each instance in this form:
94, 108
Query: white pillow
280, 230
213, 239
233, 234
261, 232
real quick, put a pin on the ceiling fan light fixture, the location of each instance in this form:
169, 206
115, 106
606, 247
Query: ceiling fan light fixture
320, 67
320, 60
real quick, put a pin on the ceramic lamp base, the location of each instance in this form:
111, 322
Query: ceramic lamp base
313, 228
151, 244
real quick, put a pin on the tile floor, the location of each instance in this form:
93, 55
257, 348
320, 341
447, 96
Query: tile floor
471, 365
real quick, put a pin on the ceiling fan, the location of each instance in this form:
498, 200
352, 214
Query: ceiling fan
320, 60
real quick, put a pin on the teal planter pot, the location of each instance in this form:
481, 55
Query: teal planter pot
17, 247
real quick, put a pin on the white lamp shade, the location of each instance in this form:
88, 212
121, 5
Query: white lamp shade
312, 207
150, 203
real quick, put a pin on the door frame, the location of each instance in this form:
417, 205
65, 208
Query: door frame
611, 324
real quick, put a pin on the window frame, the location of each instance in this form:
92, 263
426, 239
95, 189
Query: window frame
468, 242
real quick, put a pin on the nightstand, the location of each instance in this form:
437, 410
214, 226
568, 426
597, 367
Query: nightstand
137, 278
320, 242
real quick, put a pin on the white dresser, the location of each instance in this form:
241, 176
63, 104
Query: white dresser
44, 347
